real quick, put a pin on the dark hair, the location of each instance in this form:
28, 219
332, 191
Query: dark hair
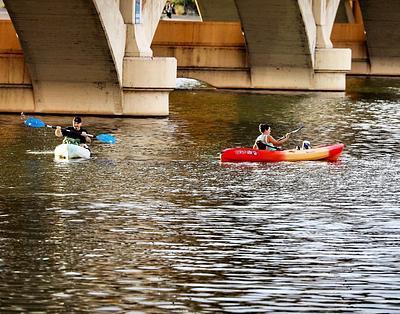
262, 127
78, 119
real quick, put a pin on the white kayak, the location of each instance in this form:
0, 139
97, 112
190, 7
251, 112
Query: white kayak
71, 151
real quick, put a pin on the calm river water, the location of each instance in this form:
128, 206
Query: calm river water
155, 224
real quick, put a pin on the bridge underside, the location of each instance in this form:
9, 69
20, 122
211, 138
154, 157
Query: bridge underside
382, 26
65, 44
275, 34
221, 10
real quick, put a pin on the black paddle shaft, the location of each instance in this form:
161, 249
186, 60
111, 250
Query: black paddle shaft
294, 131
64, 129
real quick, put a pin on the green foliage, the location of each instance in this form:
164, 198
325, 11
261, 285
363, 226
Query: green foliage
184, 2
183, 7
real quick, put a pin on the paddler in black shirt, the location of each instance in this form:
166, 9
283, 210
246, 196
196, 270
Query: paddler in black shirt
74, 134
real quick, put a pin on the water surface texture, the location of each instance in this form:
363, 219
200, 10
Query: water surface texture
155, 224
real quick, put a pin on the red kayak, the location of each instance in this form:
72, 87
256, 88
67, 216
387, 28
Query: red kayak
328, 153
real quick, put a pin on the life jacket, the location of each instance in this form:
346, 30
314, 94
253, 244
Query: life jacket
72, 136
263, 144
70, 140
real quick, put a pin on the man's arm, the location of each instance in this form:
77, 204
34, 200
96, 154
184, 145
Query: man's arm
86, 138
58, 132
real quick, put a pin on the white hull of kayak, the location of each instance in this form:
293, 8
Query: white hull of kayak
71, 151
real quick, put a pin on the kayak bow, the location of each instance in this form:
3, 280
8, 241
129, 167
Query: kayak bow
71, 151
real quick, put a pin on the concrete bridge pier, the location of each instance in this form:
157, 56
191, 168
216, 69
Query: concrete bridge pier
147, 81
330, 65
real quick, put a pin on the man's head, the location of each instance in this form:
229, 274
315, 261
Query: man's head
77, 122
263, 127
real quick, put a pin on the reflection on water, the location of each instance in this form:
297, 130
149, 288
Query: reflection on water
156, 224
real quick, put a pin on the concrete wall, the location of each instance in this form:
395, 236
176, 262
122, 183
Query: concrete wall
202, 45
15, 82
214, 52
353, 36
12, 63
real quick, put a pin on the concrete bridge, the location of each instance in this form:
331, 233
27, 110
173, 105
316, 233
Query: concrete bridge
233, 58
106, 57
287, 43
90, 56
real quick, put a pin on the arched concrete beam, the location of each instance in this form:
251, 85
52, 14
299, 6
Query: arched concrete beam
63, 40
275, 33
218, 10
382, 25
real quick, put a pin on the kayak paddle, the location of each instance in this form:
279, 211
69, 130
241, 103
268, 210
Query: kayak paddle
291, 132
33, 122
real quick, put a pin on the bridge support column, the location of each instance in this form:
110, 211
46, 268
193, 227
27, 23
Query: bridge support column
147, 81
324, 12
330, 65
330, 68
147, 84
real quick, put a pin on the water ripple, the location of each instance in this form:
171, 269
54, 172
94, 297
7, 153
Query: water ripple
157, 225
